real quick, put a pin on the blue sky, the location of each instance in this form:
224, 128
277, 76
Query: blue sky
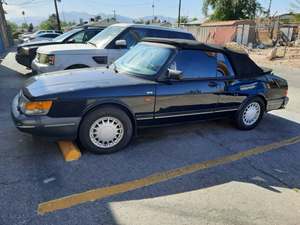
130, 8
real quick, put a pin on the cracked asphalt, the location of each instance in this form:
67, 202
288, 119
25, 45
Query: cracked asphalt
261, 189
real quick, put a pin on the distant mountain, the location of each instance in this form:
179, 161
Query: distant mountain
161, 18
76, 16
34, 20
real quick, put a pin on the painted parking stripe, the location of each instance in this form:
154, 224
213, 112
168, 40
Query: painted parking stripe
69, 150
100, 193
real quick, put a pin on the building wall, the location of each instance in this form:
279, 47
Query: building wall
224, 32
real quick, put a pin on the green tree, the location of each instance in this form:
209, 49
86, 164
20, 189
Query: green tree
295, 6
232, 9
50, 23
13, 27
30, 27
24, 26
184, 19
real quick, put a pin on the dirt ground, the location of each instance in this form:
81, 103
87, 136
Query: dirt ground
291, 58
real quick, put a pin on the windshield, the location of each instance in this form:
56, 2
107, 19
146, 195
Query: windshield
106, 36
63, 36
143, 59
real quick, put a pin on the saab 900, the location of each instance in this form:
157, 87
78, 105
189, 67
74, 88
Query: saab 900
158, 81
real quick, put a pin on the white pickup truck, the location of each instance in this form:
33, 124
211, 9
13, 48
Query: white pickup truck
102, 50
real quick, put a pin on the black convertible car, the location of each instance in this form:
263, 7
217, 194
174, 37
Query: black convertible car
158, 81
26, 52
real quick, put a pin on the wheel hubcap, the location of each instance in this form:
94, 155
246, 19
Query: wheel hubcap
251, 113
106, 132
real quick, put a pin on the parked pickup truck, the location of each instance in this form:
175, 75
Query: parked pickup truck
102, 50
158, 81
27, 52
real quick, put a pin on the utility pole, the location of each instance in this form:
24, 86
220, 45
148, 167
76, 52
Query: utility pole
3, 26
115, 16
269, 8
153, 7
57, 16
179, 13
23, 14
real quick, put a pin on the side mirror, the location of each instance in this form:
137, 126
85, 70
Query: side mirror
121, 43
174, 74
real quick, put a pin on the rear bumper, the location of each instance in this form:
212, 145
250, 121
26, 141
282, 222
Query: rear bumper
58, 128
277, 103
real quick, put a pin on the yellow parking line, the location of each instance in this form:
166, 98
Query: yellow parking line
69, 150
100, 193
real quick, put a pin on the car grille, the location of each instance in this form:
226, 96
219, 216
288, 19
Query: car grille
19, 50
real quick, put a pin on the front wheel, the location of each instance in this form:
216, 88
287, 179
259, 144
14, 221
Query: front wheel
105, 130
249, 116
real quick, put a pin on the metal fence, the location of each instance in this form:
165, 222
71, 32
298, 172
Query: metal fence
244, 34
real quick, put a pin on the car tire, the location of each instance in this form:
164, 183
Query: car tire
105, 130
250, 114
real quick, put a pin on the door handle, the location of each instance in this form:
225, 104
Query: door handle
212, 84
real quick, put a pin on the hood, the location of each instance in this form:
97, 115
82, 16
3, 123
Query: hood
38, 43
69, 49
50, 85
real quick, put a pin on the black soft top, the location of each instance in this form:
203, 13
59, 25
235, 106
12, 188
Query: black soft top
243, 66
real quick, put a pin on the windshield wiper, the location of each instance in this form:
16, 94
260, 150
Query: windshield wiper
91, 43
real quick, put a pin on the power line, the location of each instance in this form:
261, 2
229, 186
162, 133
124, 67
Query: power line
28, 2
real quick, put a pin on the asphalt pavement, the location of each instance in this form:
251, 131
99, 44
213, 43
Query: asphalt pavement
255, 189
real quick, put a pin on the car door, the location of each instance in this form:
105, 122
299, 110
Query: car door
196, 93
115, 52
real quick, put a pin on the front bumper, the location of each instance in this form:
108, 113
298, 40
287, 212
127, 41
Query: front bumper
42, 68
58, 128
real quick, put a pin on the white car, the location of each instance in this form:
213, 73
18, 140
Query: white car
42, 37
102, 50
29, 36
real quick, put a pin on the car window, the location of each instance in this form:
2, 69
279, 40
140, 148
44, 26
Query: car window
224, 67
67, 35
89, 34
143, 59
49, 35
130, 37
52, 35
169, 34
141, 32
105, 37
78, 38
195, 64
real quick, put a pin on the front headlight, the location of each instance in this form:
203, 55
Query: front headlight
35, 107
46, 59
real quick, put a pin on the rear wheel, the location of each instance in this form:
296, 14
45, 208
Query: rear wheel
106, 130
249, 116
